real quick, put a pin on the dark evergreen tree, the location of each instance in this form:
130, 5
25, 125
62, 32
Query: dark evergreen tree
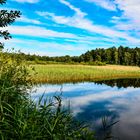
121, 55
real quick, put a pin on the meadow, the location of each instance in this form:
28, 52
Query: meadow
59, 73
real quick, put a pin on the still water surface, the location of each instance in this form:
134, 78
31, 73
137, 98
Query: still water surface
116, 100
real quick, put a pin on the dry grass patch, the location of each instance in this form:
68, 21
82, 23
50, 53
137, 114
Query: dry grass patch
77, 73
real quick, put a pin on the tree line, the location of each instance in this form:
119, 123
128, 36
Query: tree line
118, 56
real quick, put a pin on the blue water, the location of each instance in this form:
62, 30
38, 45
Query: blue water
91, 102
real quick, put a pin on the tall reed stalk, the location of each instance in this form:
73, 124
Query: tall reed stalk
23, 119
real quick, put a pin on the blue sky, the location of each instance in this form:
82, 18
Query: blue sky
71, 27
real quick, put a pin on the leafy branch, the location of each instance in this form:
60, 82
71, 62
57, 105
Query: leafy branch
7, 18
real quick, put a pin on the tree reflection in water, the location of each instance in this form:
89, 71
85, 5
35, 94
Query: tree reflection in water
121, 83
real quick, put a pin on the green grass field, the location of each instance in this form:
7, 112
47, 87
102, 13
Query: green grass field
77, 73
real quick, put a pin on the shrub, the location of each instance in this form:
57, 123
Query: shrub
22, 119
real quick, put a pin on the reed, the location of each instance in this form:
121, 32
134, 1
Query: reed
78, 73
23, 119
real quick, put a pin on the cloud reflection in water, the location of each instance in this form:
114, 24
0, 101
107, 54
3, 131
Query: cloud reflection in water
90, 102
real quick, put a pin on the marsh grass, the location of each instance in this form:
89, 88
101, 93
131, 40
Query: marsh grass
78, 73
37, 122
23, 119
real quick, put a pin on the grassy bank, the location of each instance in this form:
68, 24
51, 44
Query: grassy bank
76, 73
23, 119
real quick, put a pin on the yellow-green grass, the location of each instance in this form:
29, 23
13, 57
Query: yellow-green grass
78, 73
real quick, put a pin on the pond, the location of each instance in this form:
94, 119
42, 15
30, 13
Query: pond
117, 102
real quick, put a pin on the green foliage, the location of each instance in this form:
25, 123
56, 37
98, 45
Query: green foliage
14, 77
121, 56
7, 18
21, 118
37, 122
117, 56
94, 63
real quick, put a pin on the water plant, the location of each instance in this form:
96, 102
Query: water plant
22, 119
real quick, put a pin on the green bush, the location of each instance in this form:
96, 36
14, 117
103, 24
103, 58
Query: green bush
94, 63
23, 119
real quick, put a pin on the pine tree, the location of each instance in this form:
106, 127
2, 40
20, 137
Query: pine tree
6, 18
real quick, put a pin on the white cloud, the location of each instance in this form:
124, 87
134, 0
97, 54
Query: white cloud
45, 48
130, 18
78, 11
28, 1
37, 32
131, 9
79, 20
28, 20
106, 4
92, 93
